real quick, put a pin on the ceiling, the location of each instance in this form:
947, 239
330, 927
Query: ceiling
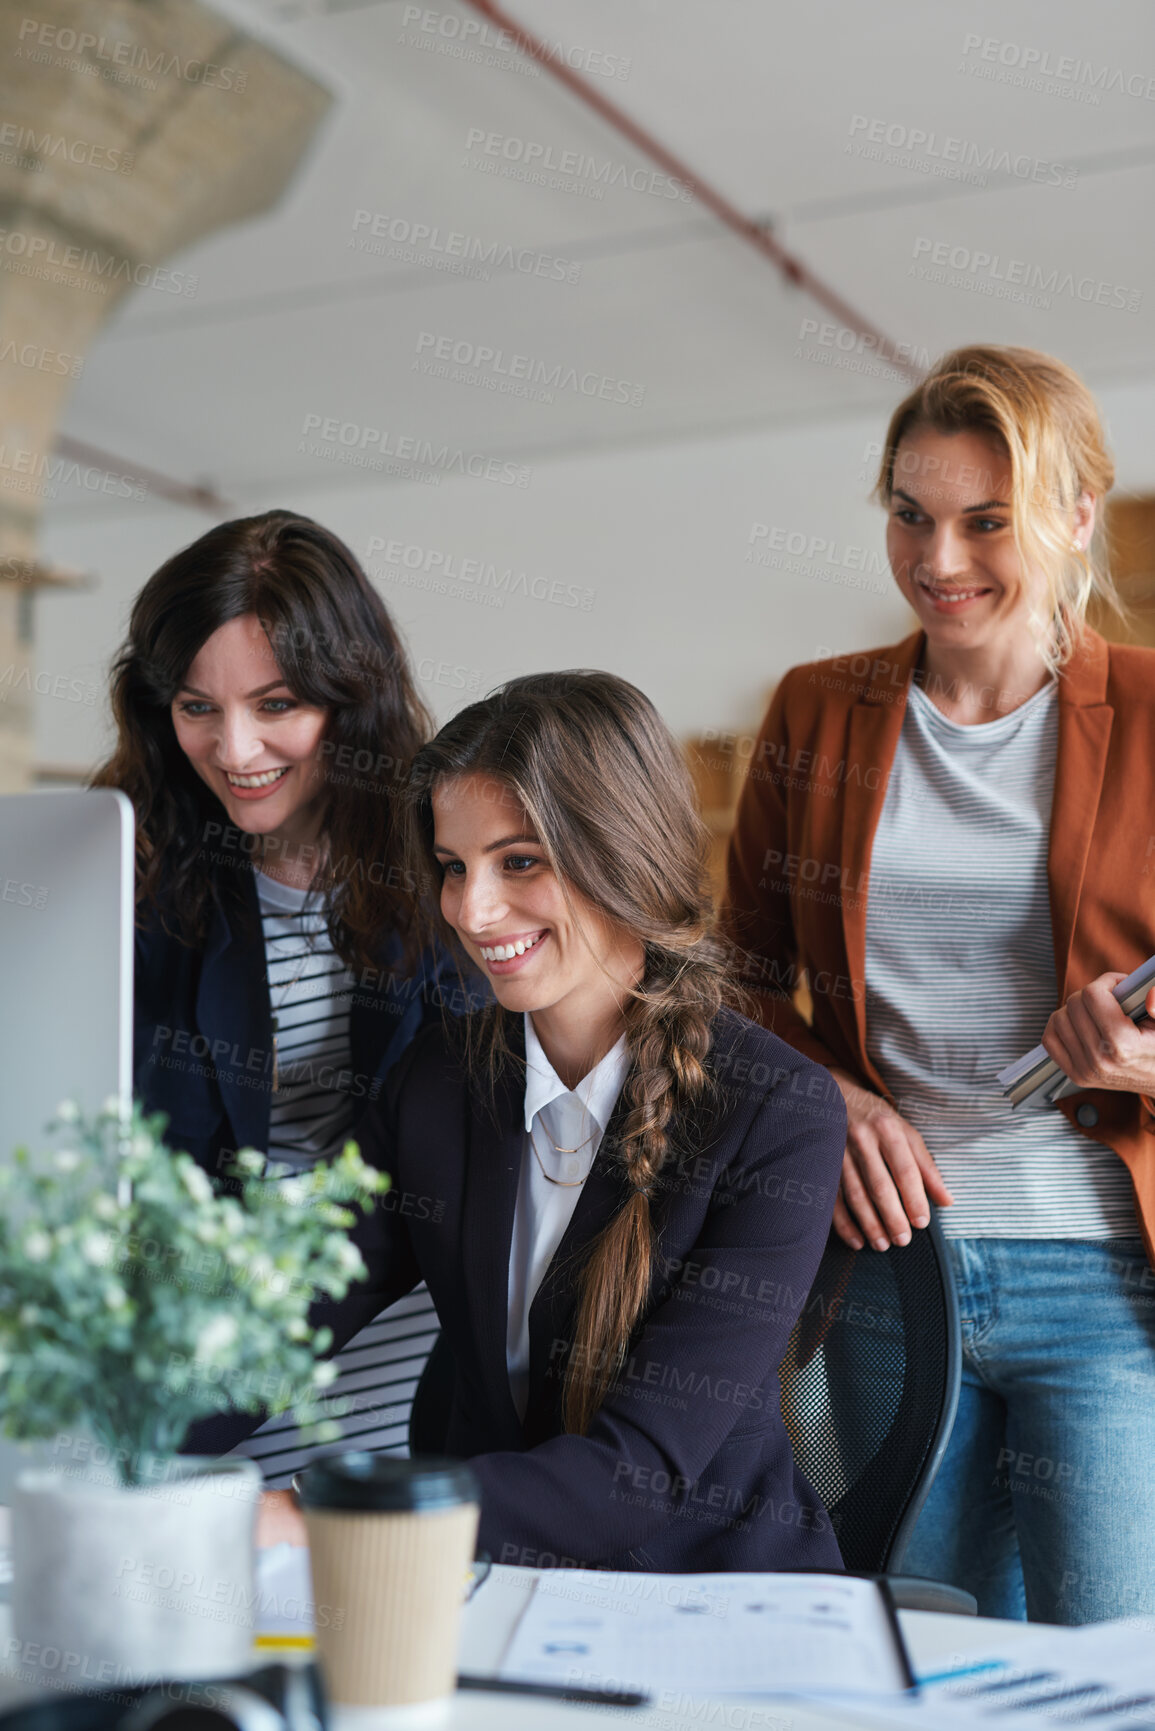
674, 328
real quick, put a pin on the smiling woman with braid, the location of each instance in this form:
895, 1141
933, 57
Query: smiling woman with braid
617, 1189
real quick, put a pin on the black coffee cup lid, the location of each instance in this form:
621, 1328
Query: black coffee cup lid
359, 1480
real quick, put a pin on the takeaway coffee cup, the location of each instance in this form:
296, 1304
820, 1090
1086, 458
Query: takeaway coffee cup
390, 1543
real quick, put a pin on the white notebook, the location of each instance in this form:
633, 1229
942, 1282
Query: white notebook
1037, 1078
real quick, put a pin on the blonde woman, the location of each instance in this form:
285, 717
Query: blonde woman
983, 794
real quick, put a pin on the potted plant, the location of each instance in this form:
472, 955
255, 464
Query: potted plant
135, 1300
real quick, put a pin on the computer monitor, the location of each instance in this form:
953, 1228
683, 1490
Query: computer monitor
66, 946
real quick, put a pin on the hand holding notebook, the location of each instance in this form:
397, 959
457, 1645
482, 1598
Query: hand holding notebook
1037, 1079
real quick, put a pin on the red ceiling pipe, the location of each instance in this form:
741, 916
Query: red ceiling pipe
792, 268
179, 492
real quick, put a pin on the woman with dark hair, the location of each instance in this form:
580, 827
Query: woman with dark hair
265, 716
629, 1184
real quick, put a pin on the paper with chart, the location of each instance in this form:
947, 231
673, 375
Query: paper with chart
1100, 1677
714, 1634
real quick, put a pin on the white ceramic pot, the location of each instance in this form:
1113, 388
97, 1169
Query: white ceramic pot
114, 1585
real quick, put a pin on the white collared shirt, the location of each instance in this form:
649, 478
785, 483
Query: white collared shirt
570, 1119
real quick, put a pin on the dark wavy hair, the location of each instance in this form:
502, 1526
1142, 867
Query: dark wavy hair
336, 646
607, 790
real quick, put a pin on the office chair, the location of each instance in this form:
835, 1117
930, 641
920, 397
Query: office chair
870, 1386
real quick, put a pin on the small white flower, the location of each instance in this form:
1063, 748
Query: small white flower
104, 1207
196, 1183
29, 1315
37, 1245
66, 1160
115, 1296
349, 1257
324, 1374
114, 1107
68, 1112
216, 1337
294, 1190
97, 1248
250, 1161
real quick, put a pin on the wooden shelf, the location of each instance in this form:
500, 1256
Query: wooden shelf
38, 574
1131, 531
61, 774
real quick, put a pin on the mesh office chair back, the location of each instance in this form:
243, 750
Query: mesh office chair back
869, 1390
870, 1385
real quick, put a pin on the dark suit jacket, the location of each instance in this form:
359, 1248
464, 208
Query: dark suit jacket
203, 1025
799, 861
687, 1464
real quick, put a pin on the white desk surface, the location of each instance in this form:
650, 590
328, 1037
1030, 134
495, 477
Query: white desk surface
935, 1643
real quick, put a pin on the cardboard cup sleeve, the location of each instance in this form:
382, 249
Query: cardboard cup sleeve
390, 1543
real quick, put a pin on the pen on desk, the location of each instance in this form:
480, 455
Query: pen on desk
553, 1691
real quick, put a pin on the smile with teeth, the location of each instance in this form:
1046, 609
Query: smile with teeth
506, 952
948, 592
265, 779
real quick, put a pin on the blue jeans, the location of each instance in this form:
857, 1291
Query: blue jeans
1044, 1506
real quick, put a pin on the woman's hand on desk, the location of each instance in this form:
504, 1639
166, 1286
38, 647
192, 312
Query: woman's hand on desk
887, 1173
1100, 1047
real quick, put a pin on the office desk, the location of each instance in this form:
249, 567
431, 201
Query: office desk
935, 1643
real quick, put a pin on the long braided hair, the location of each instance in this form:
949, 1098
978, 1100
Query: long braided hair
604, 785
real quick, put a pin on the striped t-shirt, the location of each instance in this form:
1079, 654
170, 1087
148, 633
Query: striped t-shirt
313, 1110
313, 1107
960, 974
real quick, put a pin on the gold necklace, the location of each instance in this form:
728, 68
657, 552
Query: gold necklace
562, 1183
310, 955
585, 1141
559, 1150
276, 1022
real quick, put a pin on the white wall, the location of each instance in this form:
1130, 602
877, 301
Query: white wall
661, 536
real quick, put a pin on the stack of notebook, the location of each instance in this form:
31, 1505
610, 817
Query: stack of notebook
1037, 1078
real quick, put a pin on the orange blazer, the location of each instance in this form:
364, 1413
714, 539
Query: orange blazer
798, 868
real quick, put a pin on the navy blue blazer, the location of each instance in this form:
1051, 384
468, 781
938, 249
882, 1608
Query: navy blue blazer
202, 1035
687, 1464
